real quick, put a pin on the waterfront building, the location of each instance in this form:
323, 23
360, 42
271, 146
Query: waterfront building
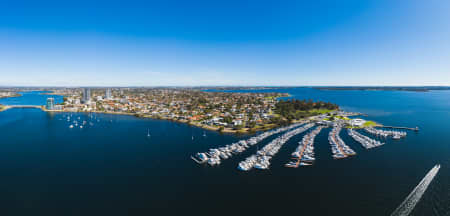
357, 122
86, 95
57, 107
50, 104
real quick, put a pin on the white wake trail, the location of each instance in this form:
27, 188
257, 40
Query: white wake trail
414, 197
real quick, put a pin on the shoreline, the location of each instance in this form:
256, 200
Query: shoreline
183, 121
3, 108
243, 131
12, 96
206, 127
54, 93
230, 130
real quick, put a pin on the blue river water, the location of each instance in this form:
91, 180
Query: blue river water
111, 167
35, 98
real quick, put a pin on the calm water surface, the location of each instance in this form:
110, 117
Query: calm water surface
31, 98
111, 167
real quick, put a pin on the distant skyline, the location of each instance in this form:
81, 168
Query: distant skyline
229, 43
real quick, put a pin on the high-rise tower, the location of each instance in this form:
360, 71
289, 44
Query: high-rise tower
86, 95
50, 104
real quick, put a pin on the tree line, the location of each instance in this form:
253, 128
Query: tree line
296, 109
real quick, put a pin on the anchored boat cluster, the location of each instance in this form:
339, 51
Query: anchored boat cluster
338, 147
304, 154
386, 133
261, 160
215, 155
365, 141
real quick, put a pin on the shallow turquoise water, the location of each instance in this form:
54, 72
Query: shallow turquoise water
111, 167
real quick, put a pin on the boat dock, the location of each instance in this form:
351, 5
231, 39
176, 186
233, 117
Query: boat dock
386, 133
401, 128
261, 160
338, 147
306, 145
296, 162
365, 141
197, 161
215, 155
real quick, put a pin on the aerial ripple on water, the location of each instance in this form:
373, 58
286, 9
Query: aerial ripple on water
440, 197
413, 198
446, 187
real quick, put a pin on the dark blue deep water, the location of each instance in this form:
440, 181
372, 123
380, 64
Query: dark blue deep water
111, 167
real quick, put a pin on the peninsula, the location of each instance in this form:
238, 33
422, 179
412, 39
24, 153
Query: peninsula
8, 94
222, 111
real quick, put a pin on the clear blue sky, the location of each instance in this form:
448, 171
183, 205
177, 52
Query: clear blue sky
233, 42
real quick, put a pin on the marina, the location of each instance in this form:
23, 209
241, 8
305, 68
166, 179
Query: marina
221, 108
215, 155
118, 146
261, 160
338, 148
365, 141
304, 154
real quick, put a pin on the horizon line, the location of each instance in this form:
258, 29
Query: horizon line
208, 86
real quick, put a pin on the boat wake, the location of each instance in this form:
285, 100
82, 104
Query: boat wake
414, 197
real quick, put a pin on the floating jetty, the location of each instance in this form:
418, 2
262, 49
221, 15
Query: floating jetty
304, 154
407, 206
261, 160
365, 141
401, 128
197, 160
215, 155
386, 133
338, 147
